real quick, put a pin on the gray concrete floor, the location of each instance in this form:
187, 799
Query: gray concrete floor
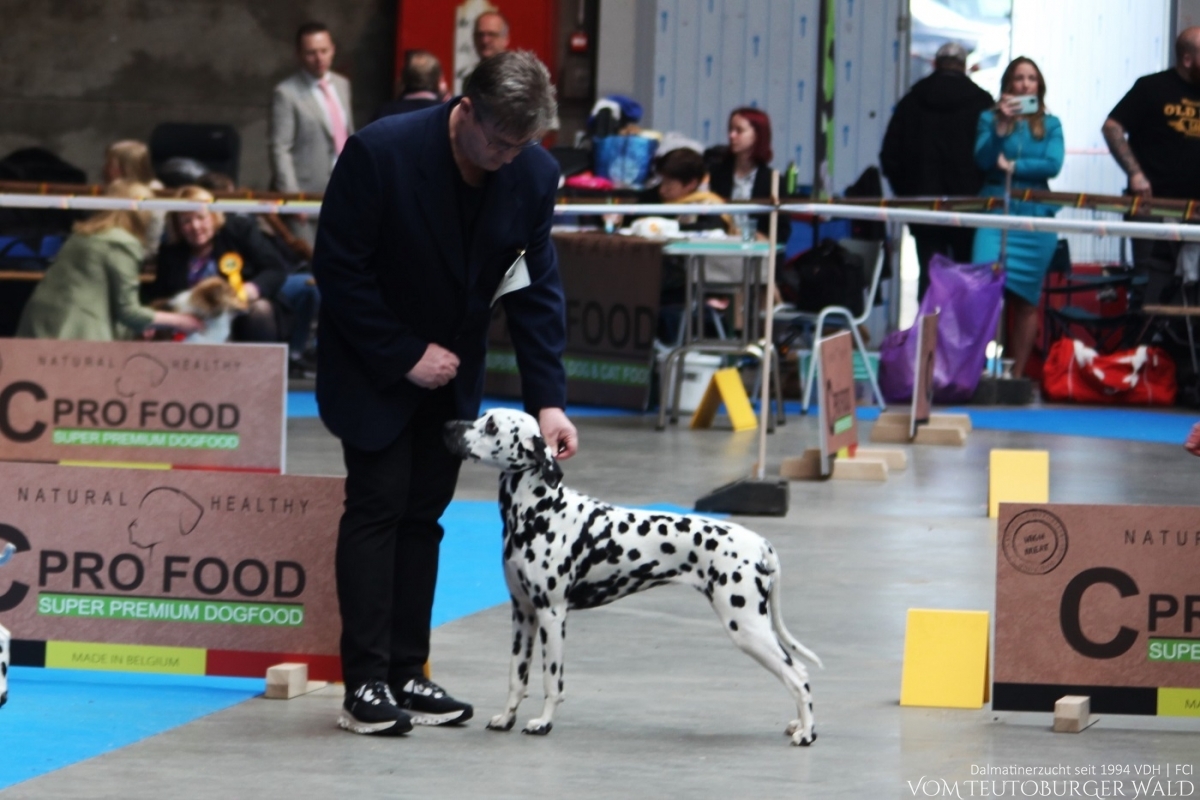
659, 702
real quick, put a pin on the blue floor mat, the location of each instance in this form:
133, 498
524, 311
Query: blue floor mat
57, 717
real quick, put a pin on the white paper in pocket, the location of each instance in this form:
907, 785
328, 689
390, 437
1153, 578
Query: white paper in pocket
517, 277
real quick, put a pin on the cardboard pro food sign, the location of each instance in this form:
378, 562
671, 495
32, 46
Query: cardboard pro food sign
213, 406
176, 571
1101, 601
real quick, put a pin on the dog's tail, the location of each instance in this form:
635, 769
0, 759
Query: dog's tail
781, 631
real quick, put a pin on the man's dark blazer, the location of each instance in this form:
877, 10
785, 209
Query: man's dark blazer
394, 277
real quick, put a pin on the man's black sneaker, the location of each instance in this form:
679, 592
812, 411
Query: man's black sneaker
428, 704
371, 709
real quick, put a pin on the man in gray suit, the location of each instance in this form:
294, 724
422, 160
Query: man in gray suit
311, 119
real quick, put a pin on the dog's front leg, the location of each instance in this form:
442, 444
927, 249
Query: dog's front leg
524, 624
552, 627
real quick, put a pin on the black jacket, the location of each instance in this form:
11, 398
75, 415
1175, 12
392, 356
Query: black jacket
720, 181
929, 147
261, 263
394, 277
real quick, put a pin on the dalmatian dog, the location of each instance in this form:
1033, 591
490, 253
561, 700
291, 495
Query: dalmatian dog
564, 550
5, 646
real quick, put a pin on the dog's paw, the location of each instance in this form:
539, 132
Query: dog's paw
792, 727
501, 722
800, 740
537, 727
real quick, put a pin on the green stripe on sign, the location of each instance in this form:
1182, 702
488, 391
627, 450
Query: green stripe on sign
1186, 651
162, 609
843, 424
169, 439
614, 373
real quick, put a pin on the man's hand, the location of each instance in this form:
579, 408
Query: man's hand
1139, 184
1192, 445
437, 367
560, 435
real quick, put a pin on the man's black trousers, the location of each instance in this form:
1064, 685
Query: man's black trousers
387, 548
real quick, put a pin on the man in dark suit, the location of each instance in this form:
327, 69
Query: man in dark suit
428, 218
421, 85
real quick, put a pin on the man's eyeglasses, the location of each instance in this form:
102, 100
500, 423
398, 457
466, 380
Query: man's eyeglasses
502, 146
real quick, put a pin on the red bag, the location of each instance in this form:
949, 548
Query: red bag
1143, 376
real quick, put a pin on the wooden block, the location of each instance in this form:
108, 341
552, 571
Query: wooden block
889, 434
932, 434
897, 460
890, 419
945, 659
1072, 713
951, 421
859, 469
285, 681
1018, 476
806, 467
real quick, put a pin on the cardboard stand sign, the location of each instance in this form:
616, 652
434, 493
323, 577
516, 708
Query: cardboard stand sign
171, 405
1099, 601
922, 399
183, 571
835, 374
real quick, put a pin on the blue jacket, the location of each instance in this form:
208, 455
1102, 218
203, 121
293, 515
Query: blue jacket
1037, 160
394, 277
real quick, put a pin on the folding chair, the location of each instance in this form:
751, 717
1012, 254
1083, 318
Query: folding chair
797, 323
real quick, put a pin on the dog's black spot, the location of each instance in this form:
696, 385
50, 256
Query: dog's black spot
634, 555
684, 525
697, 540
693, 558
737, 601
549, 537
711, 544
762, 608
529, 556
662, 529
523, 670
667, 547
551, 583
553, 668
644, 528
737, 577
723, 579
733, 626
539, 491
542, 634
685, 567
762, 569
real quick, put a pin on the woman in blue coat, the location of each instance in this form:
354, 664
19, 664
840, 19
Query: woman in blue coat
1030, 146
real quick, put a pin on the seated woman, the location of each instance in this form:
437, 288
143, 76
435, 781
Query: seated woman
91, 290
207, 244
1030, 146
745, 172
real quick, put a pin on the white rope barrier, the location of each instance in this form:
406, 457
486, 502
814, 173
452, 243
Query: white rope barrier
1137, 230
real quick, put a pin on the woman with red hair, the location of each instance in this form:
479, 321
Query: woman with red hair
746, 171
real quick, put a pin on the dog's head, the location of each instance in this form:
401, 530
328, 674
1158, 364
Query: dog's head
508, 440
210, 298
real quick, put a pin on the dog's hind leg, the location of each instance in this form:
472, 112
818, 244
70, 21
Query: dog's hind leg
552, 627
753, 632
524, 623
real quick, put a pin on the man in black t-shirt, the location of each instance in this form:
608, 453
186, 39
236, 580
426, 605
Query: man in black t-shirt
1161, 117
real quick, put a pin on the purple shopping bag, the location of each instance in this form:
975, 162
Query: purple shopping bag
969, 296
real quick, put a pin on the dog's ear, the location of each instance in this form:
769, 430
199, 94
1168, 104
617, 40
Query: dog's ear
547, 464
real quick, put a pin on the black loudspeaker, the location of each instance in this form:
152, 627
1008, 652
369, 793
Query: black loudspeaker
217, 147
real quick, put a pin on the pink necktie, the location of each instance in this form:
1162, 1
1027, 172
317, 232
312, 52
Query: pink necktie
336, 122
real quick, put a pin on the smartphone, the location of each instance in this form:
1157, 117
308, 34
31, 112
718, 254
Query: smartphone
1027, 103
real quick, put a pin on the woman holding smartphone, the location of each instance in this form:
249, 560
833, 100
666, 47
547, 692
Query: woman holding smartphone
1018, 138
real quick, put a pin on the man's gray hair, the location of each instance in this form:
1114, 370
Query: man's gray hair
512, 91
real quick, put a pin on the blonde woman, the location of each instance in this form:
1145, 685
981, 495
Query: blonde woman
129, 160
91, 290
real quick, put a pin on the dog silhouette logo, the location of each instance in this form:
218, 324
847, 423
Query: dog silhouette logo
165, 513
139, 373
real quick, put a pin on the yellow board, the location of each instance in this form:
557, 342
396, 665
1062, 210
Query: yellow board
1018, 476
725, 387
1178, 702
945, 659
126, 657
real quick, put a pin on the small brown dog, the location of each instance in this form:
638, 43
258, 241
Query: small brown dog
213, 301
